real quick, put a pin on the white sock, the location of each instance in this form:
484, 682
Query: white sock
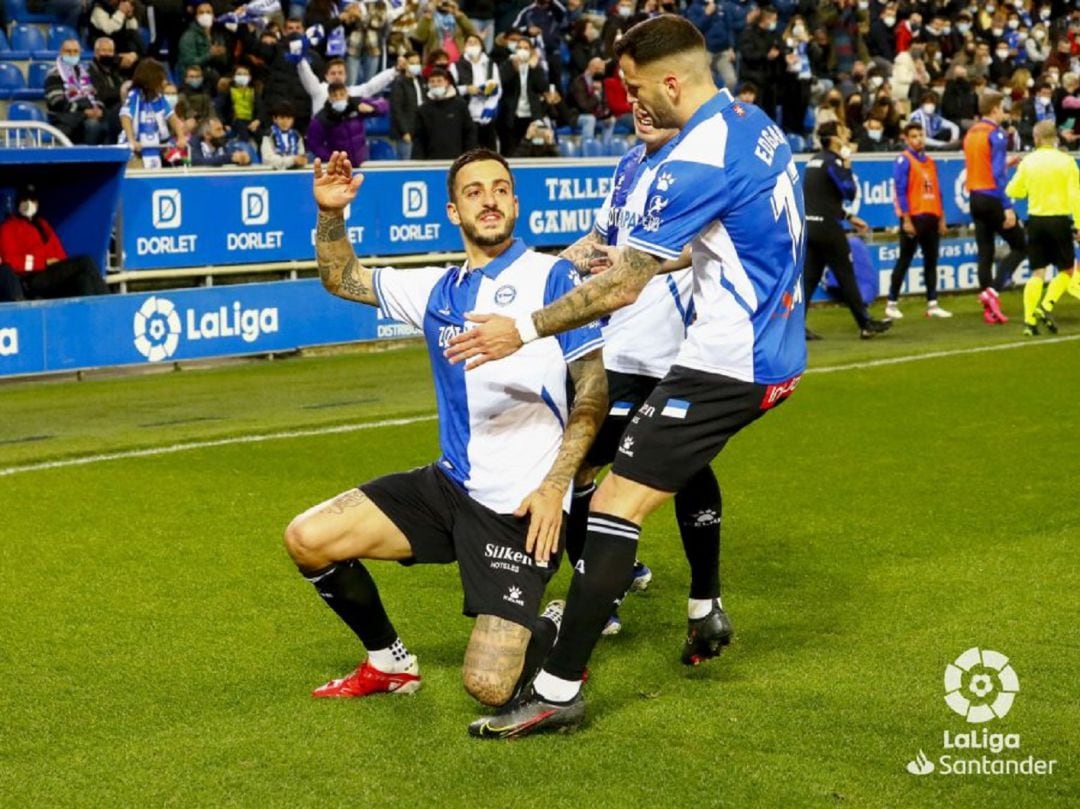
394, 659
697, 608
555, 688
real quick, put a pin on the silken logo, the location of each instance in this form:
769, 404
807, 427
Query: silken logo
414, 199
167, 209
255, 205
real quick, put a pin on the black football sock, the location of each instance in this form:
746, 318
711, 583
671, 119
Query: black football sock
698, 511
595, 590
543, 638
577, 522
348, 589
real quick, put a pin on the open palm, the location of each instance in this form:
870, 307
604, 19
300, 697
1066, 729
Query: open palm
335, 186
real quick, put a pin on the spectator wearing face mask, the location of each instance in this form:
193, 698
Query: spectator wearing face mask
203, 44
831, 111
30, 247
585, 44
195, 105
881, 40
524, 83
283, 146
407, 93
74, 108
937, 132
1040, 107
339, 126
476, 77
210, 148
795, 93
1003, 66
336, 73
107, 81
546, 20
539, 141
282, 82
444, 128
617, 23
1037, 46
240, 107
872, 137
119, 21
444, 28
763, 57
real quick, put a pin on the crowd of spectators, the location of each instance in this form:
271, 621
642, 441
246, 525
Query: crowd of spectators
282, 80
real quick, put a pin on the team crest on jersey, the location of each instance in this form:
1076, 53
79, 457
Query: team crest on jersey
739, 110
504, 295
651, 220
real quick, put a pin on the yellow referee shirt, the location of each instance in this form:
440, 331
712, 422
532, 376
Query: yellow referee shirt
1050, 180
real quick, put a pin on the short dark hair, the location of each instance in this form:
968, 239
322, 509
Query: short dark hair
829, 129
910, 125
282, 109
658, 38
747, 87
334, 87
930, 96
337, 60
443, 72
1043, 84
473, 156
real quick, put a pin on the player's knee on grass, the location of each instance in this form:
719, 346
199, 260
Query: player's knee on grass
494, 659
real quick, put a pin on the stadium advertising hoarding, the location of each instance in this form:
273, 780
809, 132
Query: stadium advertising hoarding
116, 330
173, 219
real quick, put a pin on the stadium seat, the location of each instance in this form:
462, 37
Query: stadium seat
35, 82
569, 148
623, 128
618, 146
56, 37
381, 149
4, 46
796, 142
27, 38
563, 131
11, 79
377, 125
591, 147
22, 111
17, 10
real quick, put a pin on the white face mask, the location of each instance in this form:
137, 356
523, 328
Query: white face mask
889, 21
963, 27
538, 141
625, 12
1002, 55
875, 134
876, 82
28, 208
1039, 35
997, 31
946, 30
845, 152
1044, 14
1042, 101
864, 5
242, 80
472, 52
205, 20
415, 70
798, 31
172, 98
928, 109
437, 92
1031, 82
523, 54
1014, 24
339, 106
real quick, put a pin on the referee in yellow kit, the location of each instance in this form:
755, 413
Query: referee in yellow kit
1050, 180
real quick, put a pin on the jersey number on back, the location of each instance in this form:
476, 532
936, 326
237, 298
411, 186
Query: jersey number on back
784, 204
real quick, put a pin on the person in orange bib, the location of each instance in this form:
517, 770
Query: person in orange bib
985, 147
922, 220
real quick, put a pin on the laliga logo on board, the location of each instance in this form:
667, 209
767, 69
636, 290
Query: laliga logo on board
989, 675
9, 342
960, 192
157, 326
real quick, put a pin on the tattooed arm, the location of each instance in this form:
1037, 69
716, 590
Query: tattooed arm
581, 252
544, 506
498, 336
339, 269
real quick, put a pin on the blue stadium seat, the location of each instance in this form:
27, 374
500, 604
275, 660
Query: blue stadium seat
618, 146
569, 148
4, 46
591, 147
27, 38
56, 37
17, 10
623, 128
11, 79
381, 149
22, 111
377, 125
35, 82
563, 131
796, 142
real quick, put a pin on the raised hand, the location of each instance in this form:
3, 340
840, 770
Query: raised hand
335, 186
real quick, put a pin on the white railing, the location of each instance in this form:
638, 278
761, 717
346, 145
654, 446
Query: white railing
18, 134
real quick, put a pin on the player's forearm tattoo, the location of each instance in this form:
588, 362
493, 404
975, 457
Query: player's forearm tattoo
586, 416
580, 252
340, 271
600, 295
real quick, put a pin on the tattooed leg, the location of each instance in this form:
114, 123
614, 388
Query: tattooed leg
494, 659
345, 527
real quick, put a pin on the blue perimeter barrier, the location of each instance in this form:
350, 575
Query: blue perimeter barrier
137, 329
170, 219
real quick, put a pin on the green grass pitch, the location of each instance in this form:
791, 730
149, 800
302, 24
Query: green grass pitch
158, 648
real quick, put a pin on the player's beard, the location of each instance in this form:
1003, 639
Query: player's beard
474, 236
663, 114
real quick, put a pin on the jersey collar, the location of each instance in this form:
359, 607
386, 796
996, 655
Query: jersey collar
719, 102
507, 257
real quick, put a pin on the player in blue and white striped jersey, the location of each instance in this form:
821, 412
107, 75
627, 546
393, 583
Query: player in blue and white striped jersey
641, 342
729, 188
494, 500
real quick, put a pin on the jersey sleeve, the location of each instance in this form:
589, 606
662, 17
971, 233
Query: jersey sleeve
403, 294
900, 180
684, 197
603, 216
576, 343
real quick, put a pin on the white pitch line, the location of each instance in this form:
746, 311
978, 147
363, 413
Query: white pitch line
371, 425
933, 355
220, 442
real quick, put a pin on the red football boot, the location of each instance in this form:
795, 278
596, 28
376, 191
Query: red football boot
368, 680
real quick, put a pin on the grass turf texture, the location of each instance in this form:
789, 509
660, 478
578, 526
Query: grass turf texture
159, 648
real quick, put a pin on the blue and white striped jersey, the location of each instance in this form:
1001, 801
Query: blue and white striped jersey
730, 188
501, 425
644, 337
